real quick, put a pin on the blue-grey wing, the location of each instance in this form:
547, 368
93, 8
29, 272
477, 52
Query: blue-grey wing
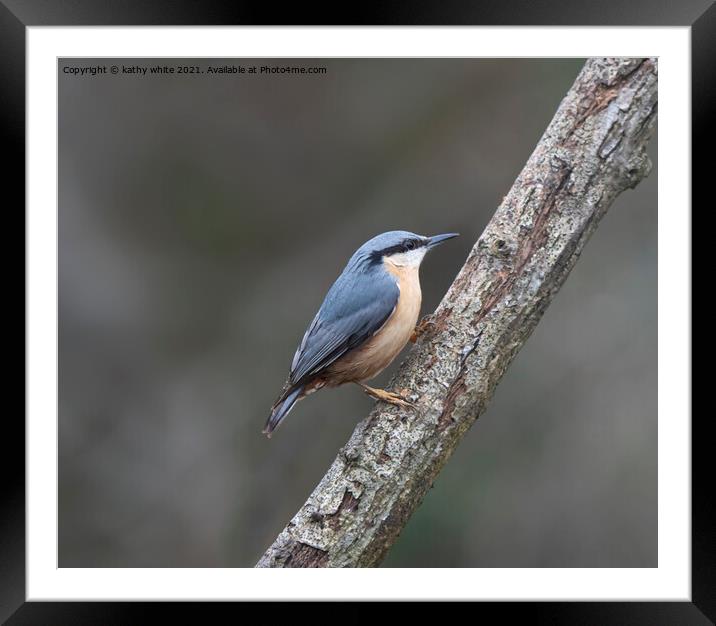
356, 306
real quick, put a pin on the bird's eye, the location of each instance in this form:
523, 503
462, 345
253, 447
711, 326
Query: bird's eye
410, 245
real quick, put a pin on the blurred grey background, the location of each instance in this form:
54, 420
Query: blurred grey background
201, 221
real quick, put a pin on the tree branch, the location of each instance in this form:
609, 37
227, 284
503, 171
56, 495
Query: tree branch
594, 148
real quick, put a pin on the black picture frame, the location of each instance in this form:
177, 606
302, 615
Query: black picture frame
16, 15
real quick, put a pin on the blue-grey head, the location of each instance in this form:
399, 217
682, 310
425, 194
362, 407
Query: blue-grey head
400, 247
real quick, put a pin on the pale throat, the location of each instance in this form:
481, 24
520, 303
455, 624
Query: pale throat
408, 259
405, 267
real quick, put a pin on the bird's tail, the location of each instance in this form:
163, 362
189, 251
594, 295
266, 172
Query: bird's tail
281, 408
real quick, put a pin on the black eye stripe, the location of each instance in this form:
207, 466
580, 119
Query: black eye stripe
405, 246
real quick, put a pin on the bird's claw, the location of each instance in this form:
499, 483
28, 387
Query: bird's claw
398, 399
422, 327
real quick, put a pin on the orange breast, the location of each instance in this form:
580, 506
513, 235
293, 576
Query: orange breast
371, 358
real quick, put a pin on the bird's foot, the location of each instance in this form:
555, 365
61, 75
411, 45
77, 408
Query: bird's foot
399, 399
423, 326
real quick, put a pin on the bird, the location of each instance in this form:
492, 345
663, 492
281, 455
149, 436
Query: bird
365, 320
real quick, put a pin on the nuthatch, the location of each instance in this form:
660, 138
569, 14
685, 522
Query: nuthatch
366, 319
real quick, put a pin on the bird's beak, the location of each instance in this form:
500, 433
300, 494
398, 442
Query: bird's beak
436, 240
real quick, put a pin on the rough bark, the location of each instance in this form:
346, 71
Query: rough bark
593, 149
